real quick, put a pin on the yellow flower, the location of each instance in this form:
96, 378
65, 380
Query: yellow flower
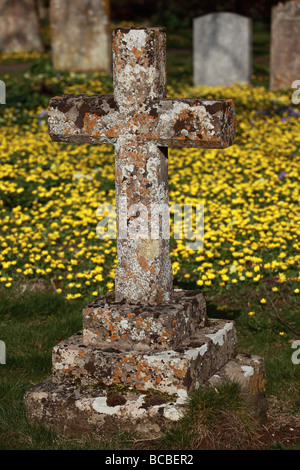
275, 289
263, 301
251, 314
296, 291
95, 293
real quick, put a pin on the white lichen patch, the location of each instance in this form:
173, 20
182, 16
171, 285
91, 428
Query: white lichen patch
248, 371
219, 336
195, 352
100, 405
135, 39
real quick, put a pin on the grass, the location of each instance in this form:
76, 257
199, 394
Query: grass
52, 264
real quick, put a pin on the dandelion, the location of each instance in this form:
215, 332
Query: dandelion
263, 301
251, 314
275, 289
296, 291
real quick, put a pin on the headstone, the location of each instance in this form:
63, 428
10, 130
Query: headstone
43, 9
285, 45
2, 352
222, 49
80, 35
19, 26
145, 346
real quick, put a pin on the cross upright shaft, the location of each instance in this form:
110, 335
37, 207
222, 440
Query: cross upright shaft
144, 271
141, 122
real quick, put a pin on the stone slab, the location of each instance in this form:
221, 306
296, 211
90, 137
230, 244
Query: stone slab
140, 327
222, 49
77, 410
185, 367
285, 45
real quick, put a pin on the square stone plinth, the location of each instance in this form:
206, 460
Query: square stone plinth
140, 327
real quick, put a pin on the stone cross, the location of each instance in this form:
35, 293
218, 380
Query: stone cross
141, 123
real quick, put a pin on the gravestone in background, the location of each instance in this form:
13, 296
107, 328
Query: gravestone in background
19, 26
80, 35
285, 45
222, 49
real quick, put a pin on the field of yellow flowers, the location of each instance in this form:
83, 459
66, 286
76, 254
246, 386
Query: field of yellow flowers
50, 193
249, 264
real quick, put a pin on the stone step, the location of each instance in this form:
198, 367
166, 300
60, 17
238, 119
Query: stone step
67, 407
185, 367
136, 326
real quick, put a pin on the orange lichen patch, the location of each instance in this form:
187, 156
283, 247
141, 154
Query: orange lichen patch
143, 262
139, 387
142, 372
179, 372
129, 359
114, 337
117, 375
81, 354
158, 380
257, 382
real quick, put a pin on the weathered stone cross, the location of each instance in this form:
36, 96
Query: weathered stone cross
142, 123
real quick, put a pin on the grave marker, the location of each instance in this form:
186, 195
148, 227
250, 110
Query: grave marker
285, 45
141, 122
145, 337
222, 49
19, 26
80, 35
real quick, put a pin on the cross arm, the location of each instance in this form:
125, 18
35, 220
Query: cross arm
194, 123
83, 119
168, 122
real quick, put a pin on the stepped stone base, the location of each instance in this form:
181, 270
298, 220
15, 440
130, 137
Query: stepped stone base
132, 368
